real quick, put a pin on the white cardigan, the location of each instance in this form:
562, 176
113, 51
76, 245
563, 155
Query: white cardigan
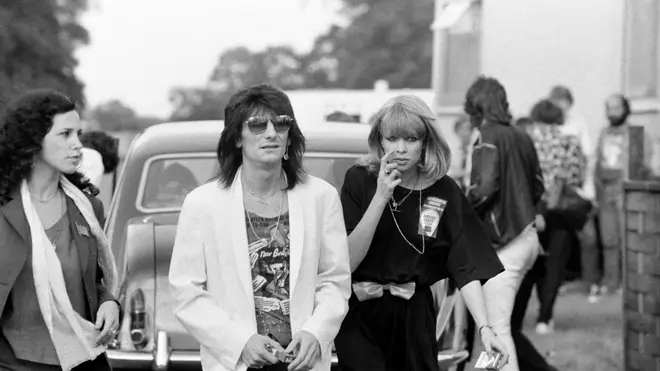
211, 278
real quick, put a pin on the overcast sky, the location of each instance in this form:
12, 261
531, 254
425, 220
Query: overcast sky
140, 49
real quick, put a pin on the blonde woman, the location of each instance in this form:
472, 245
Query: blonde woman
409, 226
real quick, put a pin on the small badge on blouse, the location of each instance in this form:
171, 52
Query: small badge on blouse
82, 230
430, 215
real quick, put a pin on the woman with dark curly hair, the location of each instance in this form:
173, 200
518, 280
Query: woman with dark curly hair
57, 271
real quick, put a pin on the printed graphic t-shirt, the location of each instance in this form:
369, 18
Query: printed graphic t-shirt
269, 260
613, 151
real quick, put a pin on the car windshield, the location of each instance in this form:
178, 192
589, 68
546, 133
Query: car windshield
170, 179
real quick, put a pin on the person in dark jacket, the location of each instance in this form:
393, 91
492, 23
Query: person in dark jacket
58, 278
506, 184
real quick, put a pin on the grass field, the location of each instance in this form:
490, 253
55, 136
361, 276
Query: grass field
587, 336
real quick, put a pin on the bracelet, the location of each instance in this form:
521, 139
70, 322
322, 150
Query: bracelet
484, 326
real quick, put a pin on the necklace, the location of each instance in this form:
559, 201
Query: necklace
396, 204
277, 224
46, 200
401, 232
266, 198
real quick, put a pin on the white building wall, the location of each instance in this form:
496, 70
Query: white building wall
531, 45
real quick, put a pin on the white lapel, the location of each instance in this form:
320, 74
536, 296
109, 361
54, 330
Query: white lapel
296, 233
236, 217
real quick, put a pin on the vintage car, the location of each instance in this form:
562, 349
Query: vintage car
163, 164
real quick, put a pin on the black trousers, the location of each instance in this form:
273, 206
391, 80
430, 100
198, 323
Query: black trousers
389, 334
557, 240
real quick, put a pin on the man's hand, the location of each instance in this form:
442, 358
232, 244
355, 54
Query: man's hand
107, 322
256, 353
309, 351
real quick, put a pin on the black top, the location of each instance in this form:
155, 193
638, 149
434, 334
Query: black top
460, 248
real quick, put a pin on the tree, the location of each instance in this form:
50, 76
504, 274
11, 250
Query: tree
116, 116
237, 68
384, 40
282, 67
37, 43
192, 104
320, 65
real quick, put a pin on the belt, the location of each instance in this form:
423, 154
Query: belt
372, 290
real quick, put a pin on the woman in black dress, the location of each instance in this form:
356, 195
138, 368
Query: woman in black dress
409, 226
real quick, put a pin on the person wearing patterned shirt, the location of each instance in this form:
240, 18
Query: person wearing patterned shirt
260, 266
562, 163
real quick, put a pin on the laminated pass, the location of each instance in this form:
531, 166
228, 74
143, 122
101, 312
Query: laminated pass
430, 215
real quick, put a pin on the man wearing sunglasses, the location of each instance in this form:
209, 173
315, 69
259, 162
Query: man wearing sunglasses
260, 266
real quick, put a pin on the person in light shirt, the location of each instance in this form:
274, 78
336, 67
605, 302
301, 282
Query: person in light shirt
100, 156
92, 165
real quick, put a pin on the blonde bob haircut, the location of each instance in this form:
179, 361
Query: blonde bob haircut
406, 116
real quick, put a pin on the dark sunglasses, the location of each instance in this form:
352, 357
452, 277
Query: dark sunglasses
258, 125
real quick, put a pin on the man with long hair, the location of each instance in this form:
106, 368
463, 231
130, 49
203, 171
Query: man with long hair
505, 186
260, 267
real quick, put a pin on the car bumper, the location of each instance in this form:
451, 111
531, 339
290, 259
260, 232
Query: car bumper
188, 360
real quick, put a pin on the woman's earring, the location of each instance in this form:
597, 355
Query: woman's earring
286, 154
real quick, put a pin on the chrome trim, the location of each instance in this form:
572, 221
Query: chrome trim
187, 155
121, 359
141, 335
334, 155
163, 351
143, 360
130, 359
119, 183
188, 357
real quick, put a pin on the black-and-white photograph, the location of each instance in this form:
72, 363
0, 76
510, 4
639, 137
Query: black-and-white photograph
330, 185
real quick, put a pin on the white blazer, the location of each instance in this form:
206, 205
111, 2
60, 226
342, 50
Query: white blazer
211, 278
